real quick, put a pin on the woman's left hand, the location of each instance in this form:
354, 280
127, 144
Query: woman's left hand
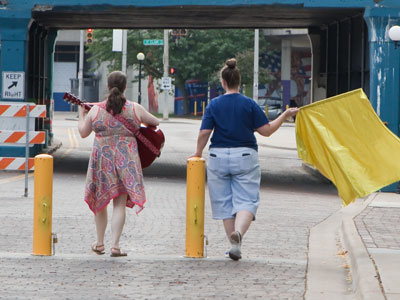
195, 155
291, 111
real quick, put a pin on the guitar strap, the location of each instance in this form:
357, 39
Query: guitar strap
149, 145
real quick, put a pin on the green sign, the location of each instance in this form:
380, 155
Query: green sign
153, 42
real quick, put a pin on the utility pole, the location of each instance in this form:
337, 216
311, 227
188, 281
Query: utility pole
256, 55
81, 54
166, 67
124, 49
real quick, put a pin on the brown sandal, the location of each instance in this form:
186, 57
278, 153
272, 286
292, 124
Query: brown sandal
95, 249
116, 252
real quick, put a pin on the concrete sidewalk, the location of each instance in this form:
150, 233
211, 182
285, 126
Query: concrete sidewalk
375, 247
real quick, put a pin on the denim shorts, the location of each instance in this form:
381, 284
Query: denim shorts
233, 178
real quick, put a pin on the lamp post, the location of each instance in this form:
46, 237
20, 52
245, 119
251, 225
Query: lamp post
140, 57
394, 34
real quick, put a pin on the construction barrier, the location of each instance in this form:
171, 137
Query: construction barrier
15, 163
12, 131
19, 137
19, 110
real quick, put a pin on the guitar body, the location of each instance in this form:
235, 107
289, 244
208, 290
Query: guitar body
152, 135
156, 137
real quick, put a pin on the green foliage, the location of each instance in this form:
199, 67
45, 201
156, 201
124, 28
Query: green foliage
101, 50
246, 65
198, 55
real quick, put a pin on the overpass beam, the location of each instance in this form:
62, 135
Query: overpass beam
384, 65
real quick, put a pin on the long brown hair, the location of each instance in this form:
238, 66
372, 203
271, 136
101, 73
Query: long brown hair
231, 74
116, 82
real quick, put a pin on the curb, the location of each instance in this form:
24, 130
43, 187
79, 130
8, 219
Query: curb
313, 171
325, 279
54, 147
366, 284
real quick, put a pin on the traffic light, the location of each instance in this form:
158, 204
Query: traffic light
173, 71
89, 36
178, 32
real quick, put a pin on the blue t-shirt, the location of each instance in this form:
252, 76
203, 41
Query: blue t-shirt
234, 118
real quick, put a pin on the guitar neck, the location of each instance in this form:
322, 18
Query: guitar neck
75, 100
86, 106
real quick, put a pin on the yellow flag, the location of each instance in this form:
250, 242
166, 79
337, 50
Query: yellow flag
347, 142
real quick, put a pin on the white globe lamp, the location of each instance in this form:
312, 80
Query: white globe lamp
394, 35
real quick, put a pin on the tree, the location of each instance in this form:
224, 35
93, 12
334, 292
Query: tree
198, 55
246, 65
101, 50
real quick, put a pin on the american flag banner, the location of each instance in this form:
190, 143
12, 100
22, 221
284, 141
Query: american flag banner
271, 61
302, 60
300, 73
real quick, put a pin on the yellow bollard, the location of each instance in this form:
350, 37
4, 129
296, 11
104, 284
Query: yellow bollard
204, 107
42, 210
266, 109
195, 108
195, 189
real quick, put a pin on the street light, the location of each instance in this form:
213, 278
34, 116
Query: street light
140, 57
394, 34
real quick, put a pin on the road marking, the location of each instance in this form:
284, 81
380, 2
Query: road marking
15, 178
71, 138
73, 142
75, 138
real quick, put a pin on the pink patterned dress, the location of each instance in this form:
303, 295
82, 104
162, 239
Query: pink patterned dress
114, 166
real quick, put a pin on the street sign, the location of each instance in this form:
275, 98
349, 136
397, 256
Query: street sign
13, 85
117, 40
153, 42
166, 83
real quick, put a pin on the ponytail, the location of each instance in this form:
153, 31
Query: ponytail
116, 99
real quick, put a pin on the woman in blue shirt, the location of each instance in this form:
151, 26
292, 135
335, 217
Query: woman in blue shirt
233, 171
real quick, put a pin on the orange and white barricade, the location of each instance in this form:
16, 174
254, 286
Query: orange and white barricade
13, 131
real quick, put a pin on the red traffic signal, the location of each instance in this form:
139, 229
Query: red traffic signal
173, 71
89, 36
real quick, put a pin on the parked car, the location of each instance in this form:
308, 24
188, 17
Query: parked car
274, 105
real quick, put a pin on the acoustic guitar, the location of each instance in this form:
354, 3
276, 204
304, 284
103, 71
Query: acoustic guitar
150, 139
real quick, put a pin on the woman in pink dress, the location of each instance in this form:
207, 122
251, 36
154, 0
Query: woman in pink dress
114, 171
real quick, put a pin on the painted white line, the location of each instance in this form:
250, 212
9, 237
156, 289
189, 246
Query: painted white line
15, 178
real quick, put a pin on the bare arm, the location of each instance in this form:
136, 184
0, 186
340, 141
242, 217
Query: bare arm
271, 127
85, 121
145, 117
202, 140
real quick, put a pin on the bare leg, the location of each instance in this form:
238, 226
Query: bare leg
242, 221
229, 225
101, 224
118, 219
